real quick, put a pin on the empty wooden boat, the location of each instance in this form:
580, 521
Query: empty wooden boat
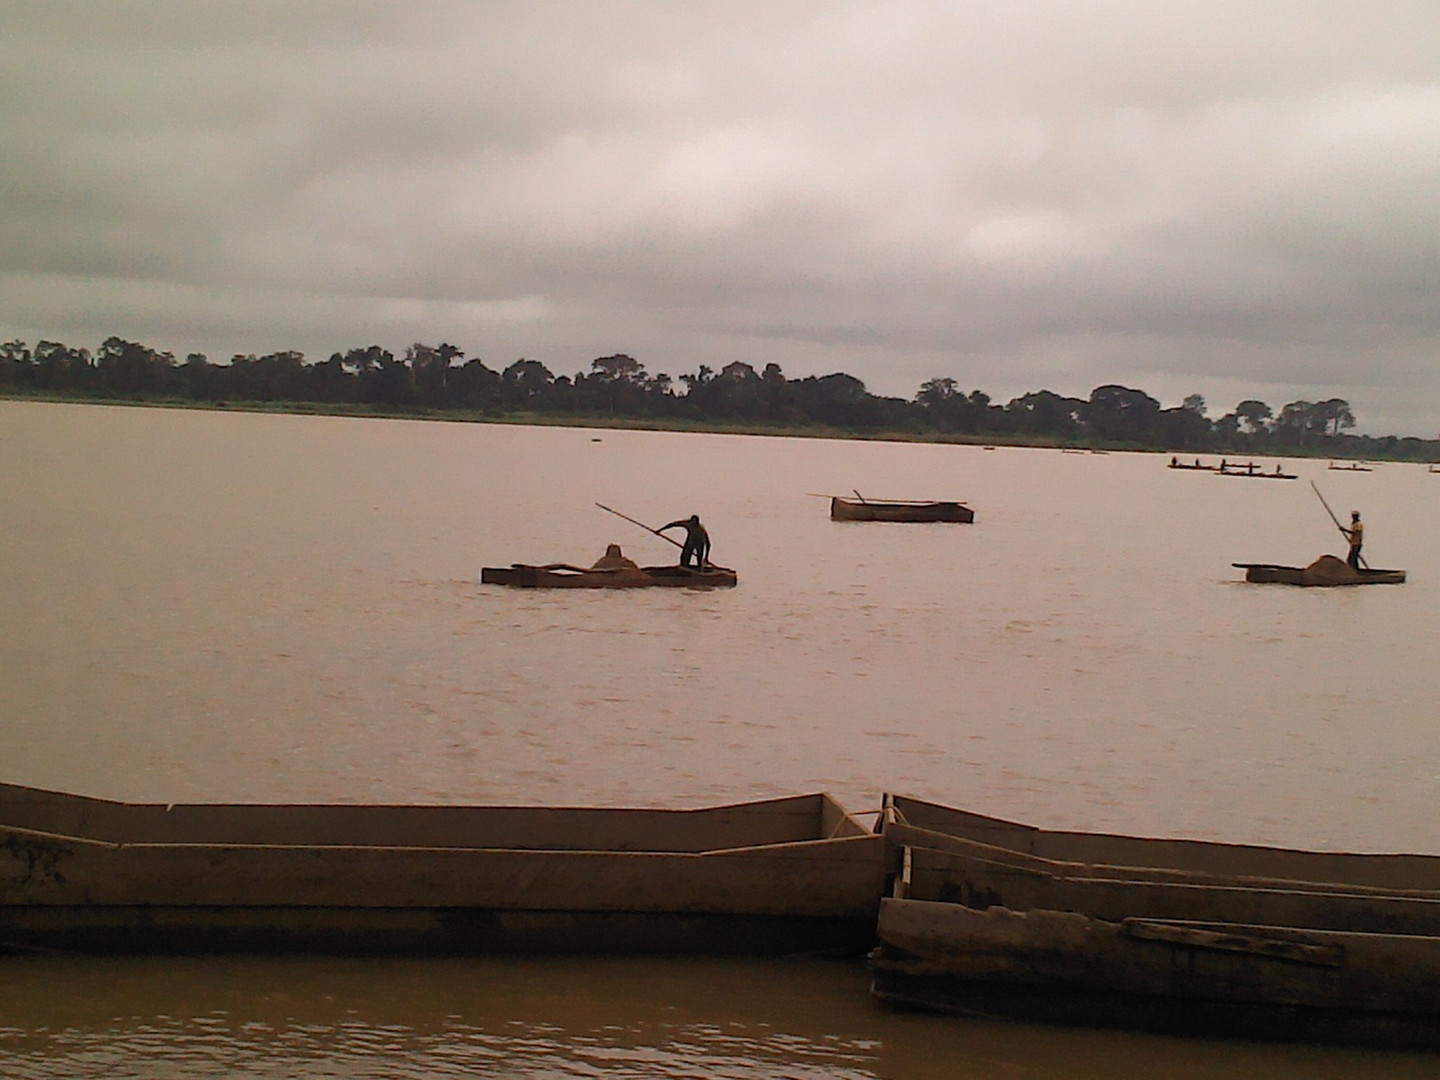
565, 576
905, 510
990, 917
1327, 570
783, 875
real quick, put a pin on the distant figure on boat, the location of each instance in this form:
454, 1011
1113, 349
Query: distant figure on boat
614, 559
697, 541
1356, 535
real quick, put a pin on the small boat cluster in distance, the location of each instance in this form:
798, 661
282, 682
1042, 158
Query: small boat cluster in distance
1233, 468
905, 510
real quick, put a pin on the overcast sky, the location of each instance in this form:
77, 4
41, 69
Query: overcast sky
1231, 199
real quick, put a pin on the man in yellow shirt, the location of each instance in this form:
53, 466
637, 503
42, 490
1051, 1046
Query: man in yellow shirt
1356, 535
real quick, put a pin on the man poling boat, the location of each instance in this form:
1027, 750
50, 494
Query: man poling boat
1354, 536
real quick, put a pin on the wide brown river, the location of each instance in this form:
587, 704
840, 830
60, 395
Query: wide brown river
203, 606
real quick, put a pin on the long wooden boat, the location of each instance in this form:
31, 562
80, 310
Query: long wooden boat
1254, 472
990, 917
1349, 468
904, 510
786, 875
1196, 467
565, 576
1327, 570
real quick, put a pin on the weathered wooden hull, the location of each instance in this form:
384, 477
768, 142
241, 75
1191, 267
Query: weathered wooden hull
909, 822
1262, 982
783, 875
1268, 574
646, 577
854, 510
991, 917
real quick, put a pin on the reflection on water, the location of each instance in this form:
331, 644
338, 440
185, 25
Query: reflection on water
238, 1018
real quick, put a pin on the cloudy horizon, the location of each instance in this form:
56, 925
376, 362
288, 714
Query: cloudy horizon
1231, 200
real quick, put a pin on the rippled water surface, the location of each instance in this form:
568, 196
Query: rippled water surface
207, 606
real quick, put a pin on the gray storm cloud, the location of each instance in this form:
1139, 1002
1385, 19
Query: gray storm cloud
1235, 200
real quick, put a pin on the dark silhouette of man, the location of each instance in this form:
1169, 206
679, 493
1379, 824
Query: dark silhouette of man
697, 541
1356, 535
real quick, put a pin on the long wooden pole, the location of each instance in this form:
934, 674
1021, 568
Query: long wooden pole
1343, 531
642, 525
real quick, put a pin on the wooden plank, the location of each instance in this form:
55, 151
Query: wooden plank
980, 883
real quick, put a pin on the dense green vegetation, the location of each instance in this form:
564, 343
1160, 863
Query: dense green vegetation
439, 380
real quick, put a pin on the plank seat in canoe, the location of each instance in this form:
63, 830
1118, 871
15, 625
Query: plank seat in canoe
785, 875
903, 510
1327, 570
565, 576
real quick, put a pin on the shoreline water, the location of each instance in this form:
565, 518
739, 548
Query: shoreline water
671, 424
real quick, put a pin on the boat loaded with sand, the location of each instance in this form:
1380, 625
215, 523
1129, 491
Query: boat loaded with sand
785, 875
565, 576
993, 918
1327, 570
905, 510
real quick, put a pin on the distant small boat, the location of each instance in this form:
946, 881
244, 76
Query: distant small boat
564, 576
1254, 471
1352, 467
1327, 570
908, 510
1175, 463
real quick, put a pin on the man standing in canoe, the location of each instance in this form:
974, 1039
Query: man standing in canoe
697, 541
1356, 535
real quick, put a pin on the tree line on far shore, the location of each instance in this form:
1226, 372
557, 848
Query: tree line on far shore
619, 388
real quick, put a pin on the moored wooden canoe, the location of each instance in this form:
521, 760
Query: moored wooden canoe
899, 510
915, 822
1174, 976
991, 917
564, 576
780, 875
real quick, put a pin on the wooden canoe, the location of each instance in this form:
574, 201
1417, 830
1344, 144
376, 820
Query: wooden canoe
992, 917
1174, 976
899, 510
911, 822
1325, 571
783, 875
1254, 473
564, 576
